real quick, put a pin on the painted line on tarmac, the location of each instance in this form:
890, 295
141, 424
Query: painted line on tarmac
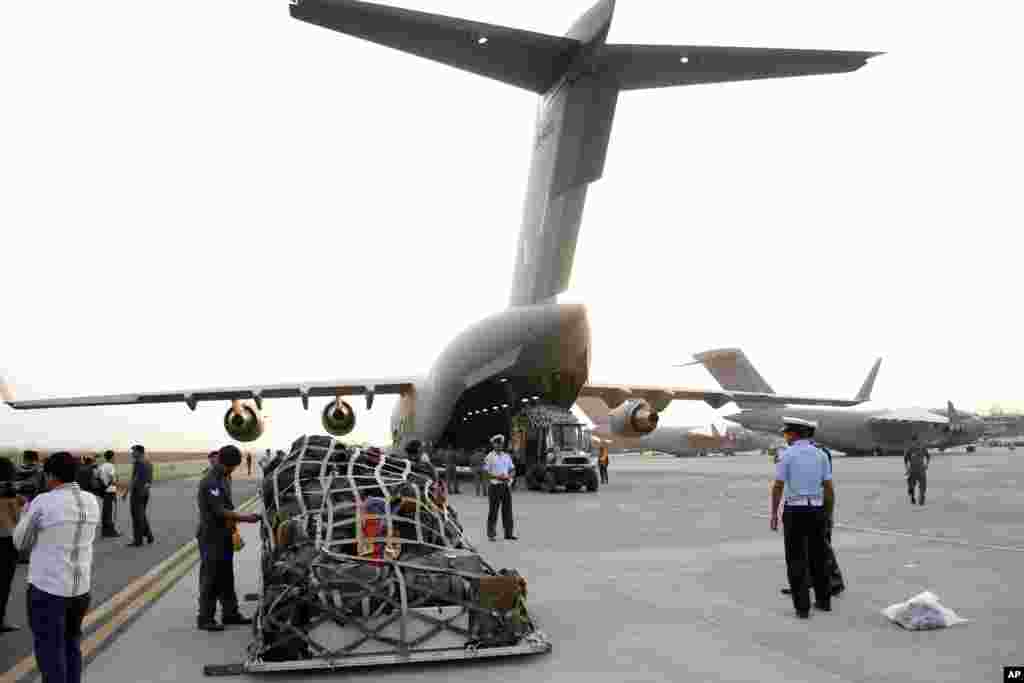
923, 537
127, 603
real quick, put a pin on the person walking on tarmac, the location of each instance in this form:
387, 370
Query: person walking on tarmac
602, 462
142, 480
501, 469
476, 461
803, 479
916, 460
452, 470
217, 519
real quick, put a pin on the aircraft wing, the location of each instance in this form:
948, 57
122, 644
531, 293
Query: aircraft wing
368, 387
658, 66
659, 397
522, 58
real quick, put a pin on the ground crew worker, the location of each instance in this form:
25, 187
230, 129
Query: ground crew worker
248, 462
10, 511
108, 480
835, 575
804, 480
501, 469
142, 480
916, 460
602, 462
476, 461
217, 518
452, 470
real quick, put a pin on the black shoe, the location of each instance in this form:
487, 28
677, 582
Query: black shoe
135, 544
913, 501
151, 540
803, 614
823, 606
786, 591
209, 626
837, 590
111, 534
8, 628
236, 620
922, 502
492, 538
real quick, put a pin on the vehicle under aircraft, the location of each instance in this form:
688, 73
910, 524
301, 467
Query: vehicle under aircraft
536, 351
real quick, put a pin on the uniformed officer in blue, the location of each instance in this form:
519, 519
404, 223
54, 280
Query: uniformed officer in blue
217, 518
498, 464
804, 479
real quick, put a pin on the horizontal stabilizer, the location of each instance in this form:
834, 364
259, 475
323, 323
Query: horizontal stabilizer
659, 66
534, 61
733, 370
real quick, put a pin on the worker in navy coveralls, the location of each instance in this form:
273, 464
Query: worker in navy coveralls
217, 517
803, 479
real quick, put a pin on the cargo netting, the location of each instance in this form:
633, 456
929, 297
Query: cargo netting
362, 554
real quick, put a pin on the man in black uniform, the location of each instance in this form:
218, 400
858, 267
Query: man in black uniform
142, 480
217, 517
804, 478
916, 461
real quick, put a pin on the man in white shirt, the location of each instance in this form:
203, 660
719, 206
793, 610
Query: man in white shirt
108, 478
59, 528
498, 464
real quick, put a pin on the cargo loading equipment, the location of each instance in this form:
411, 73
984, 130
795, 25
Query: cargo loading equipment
364, 563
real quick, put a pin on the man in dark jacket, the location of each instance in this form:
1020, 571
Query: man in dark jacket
217, 518
142, 480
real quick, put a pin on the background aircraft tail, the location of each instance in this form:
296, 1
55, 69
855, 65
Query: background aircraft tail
733, 371
869, 383
6, 391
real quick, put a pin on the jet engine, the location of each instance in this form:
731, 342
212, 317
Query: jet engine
243, 422
338, 418
632, 418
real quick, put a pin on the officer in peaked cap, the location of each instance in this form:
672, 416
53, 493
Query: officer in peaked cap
498, 464
803, 479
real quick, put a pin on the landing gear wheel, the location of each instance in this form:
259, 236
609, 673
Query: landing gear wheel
550, 485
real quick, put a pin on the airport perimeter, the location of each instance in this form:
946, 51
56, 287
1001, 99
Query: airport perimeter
670, 573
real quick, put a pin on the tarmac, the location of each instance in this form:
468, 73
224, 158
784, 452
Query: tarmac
172, 516
671, 573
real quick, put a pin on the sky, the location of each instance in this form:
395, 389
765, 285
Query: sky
204, 194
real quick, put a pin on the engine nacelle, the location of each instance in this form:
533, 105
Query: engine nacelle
243, 422
632, 418
338, 418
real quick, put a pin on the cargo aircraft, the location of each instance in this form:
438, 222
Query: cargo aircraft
536, 351
862, 430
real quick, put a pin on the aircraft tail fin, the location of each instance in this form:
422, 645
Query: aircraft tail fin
869, 383
534, 61
6, 391
954, 417
733, 371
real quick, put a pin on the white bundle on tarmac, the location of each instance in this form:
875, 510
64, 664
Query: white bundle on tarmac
922, 612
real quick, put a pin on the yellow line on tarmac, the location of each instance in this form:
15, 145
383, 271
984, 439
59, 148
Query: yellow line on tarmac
126, 603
